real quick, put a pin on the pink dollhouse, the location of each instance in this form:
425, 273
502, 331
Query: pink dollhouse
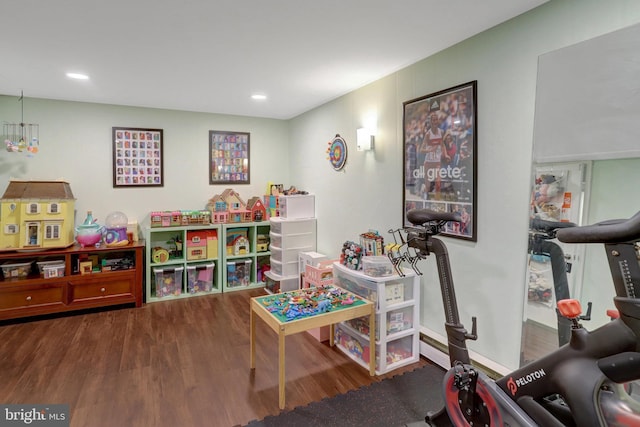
228, 207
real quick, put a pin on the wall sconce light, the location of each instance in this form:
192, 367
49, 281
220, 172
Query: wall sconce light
364, 139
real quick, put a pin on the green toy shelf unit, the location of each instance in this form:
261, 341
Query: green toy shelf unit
182, 261
245, 255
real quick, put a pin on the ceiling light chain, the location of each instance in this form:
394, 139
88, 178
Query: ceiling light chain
21, 136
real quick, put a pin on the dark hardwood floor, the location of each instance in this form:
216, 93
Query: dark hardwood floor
175, 363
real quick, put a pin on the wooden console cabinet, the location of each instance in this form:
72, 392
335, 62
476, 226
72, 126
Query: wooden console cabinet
36, 295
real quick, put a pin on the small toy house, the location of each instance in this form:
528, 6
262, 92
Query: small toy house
36, 214
240, 246
237, 241
237, 207
196, 245
257, 209
219, 210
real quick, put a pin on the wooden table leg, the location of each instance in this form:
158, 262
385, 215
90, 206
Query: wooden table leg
372, 342
332, 331
252, 339
281, 378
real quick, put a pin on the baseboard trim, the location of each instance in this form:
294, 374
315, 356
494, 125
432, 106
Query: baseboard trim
433, 347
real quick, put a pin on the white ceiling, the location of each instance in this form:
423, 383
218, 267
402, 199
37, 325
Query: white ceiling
210, 56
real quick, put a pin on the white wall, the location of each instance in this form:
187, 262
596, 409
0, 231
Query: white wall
368, 194
75, 144
614, 194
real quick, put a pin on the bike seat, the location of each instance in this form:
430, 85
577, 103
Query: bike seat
545, 226
612, 231
422, 216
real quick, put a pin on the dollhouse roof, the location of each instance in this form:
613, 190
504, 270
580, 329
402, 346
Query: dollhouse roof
229, 195
38, 190
254, 202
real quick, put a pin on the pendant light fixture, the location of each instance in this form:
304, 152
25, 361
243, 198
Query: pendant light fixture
21, 137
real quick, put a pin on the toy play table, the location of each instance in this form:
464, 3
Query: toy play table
284, 327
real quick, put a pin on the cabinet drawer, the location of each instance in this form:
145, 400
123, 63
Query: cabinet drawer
49, 295
292, 226
81, 290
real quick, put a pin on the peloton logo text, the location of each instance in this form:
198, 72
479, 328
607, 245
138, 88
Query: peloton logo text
529, 378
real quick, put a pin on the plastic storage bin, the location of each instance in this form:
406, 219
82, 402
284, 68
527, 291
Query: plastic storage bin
168, 281
390, 355
292, 226
284, 268
286, 255
300, 240
297, 206
238, 273
276, 283
394, 289
377, 266
16, 270
53, 270
399, 320
42, 264
200, 278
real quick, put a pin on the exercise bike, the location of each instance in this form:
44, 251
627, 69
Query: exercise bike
542, 234
578, 384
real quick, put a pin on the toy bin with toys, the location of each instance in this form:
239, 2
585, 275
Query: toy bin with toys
239, 273
389, 355
51, 268
167, 281
276, 284
16, 270
200, 278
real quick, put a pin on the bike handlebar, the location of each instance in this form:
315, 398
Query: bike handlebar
612, 231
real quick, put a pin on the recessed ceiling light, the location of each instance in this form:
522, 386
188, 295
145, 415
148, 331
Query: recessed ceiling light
78, 76
258, 96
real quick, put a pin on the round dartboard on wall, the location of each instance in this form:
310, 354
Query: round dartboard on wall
337, 152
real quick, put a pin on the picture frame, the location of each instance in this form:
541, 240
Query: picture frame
440, 163
138, 159
229, 157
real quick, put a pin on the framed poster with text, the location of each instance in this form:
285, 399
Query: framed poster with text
440, 156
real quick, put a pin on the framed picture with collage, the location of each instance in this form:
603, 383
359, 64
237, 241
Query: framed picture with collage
228, 157
137, 157
440, 156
